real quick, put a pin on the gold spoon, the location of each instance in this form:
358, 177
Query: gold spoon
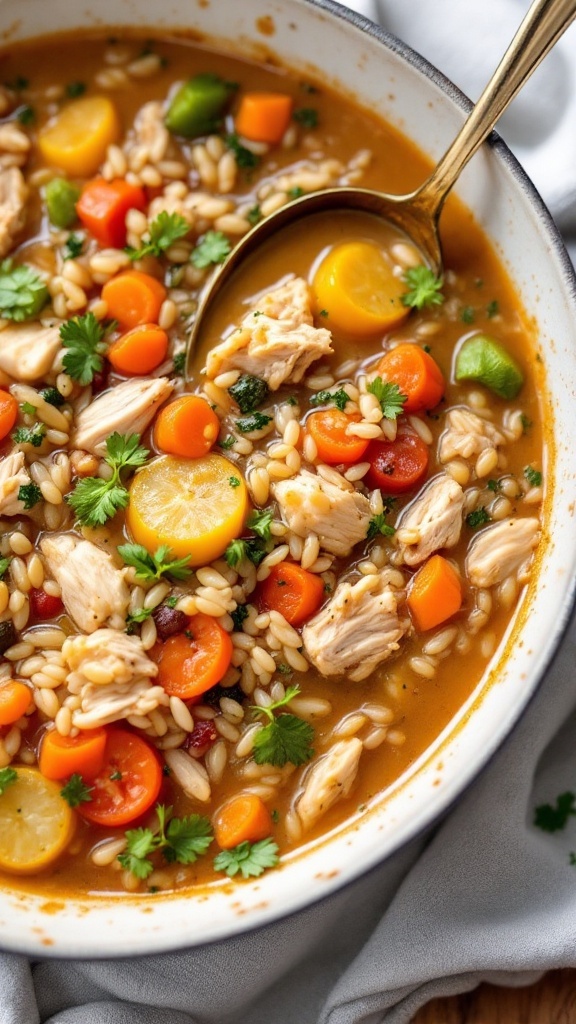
418, 212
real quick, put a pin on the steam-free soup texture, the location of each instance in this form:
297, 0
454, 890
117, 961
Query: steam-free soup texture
234, 607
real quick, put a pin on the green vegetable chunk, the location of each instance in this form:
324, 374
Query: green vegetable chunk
249, 392
198, 106
61, 198
484, 360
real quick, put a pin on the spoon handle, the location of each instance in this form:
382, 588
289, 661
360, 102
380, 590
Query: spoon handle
543, 25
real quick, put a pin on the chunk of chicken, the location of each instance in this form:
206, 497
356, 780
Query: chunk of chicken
432, 521
28, 350
329, 778
337, 514
94, 591
357, 630
276, 341
14, 145
111, 673
13, 199
499, 550
127, 408
466, 435
13, 476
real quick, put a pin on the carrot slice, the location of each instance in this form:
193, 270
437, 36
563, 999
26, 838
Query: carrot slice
8, 413
244, 818
77, 137
128, 783
397, 466
417, 375
103, 206
435, 593
263, 116
63, 756
293, 591
192, 662
356, 290
133, 298
139, 351
188, 427
328, 429
15, 699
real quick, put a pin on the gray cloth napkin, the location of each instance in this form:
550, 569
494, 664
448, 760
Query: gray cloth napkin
486, 896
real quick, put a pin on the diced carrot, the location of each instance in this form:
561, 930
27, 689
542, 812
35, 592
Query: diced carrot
77, 137
15, 699
244, 818
417, 375
292, 591
435, 593
63, 756
8, 413
188, 427
127, 784
192, 662
103, 206
139, 351
328, 428
263, 116
397, 466
133, 298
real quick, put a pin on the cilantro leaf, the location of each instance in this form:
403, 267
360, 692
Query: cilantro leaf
258, 420
30, 435
30, 494
153, 566
339, 397
254, 215
163, 231
378, 525
286, 738
250, 859
553, 818
212, 248
73, 247
239, 615
4, 563
180, 839
295, 193
390, 397
245, 158
424, 288
261, 522
95, 500
82, 337
7, 777
22, 292
76, 792
533, 476
477, 518
306, 116
187, 838
140, 842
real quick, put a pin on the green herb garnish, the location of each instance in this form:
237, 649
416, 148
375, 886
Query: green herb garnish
83, 339
479, 517
306, 116
30, 435
22, 292
339, 397
286, 738
7, 777
390, 397
378, 525
250, 859
424, 288
76, 792
162, 232
533, 476
213, 247
245, 158
95, 500
153, 566
254, 422
181, 840
30, 494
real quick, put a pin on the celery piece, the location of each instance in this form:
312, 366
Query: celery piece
198, 106
483, 359
61, 197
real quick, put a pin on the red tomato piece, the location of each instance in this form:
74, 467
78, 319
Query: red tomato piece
43, 605
128, 784
397, 466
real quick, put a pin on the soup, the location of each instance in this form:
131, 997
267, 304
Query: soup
235, 607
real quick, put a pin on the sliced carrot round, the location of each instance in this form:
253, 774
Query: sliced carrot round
244, 818
435, 593
192, 662
293, 591
417, 375
133, 298
356, 289
8, 413
397, 466
77, 137
63, 756
139, 351
188, 427
128, 783
15, 699
195, 506
328, 429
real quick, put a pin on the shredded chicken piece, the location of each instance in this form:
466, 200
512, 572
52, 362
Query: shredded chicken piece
94, 591
432, 521
357, 630
336, 513
28, 350
14, 145
112, 674
127, 408
13, 476
276, 341
466, 435
13, 199
499, 550
329, 778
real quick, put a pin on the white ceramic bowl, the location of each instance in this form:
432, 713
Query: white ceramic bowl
382, 73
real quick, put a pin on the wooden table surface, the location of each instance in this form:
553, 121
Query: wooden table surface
551, 1001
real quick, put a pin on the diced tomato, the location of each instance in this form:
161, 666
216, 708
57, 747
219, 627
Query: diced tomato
128, 784
397, 466
43, 605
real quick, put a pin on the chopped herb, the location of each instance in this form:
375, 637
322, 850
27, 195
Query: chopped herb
291, 401
249, 392
234, 481
162, 232
295, 193
95, 500
275, 816
492, 309
30, 435
327, 588
212, 248
135, 617
493, 485
286, 738
261, 523
390, 397
526, 422
76, 792
26, 115
424, 288
553, 818
83, 339
254, 215
115, 776
22, 293
75, 89
427, 348
239, 615
4, 564
227, 443
306, 116
256, 421
533, 476
467, 315
28, 409
180, 839
284, 669
245, 158
250, 859
323, 312
179, 363
7, 777
52, 396
73, 247
237, 550
153, 566
171, 601
378, 525
30, 494
477, 518
339, 397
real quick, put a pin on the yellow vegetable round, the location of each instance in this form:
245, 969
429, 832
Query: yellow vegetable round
356, 288
196, 506
77, 137
36, 823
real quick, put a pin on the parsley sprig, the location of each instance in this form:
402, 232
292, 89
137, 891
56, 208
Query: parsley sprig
22, 292
76, 792
378, 525
4, 565
95, 500
286, 738
162, 232
30, 494
390, 397
212, 248
478, 517
83, 339
152, 566
250, 859
424, 288
180, 839
261, 523
245, 158
7, 777
33, 435
339, 397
